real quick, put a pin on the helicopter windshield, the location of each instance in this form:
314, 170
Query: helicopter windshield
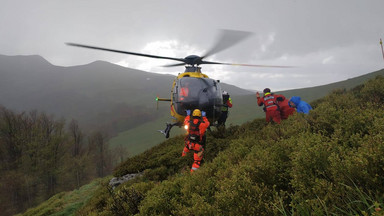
198, 93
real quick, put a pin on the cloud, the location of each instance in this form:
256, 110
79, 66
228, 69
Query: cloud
327, 60
167, 48
327, 40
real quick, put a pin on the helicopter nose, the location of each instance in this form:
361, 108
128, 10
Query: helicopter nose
204, 100
207, 102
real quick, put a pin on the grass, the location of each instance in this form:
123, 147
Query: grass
143, 137
65, 203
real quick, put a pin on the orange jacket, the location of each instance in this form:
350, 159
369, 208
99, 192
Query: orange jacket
269, 101
203, 125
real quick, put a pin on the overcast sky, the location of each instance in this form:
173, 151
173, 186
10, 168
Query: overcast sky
329, 40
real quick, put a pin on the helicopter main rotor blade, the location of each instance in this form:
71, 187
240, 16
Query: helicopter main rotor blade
125, 52
248, 65
174, 65
232, 64
226, 39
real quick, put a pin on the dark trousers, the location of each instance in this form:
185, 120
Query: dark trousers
223, 118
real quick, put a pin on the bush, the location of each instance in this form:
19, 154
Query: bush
329, 162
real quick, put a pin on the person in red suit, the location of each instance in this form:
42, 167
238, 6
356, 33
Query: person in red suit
195, 139
271, 107
285, 109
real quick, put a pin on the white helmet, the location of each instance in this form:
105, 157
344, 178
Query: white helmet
225, 93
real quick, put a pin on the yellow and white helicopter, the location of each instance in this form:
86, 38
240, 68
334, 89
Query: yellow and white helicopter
192, 89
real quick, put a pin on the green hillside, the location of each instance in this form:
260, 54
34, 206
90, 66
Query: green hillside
245, 109
313, 93
329, 162
117, 100
66, 203
144, 136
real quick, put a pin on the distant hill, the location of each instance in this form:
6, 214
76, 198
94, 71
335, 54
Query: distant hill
98, 95
317, 92
245, 105
119, 100
93, 94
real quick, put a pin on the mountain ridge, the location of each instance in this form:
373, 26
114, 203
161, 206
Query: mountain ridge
83, 91
101, 95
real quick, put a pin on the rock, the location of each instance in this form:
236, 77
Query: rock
116, 181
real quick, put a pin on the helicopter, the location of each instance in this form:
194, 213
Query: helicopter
193, 89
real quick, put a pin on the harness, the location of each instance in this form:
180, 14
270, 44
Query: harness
194, 131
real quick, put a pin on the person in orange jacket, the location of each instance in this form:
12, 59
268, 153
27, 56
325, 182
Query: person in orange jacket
285, 109
184, 91
271, 107
195, 139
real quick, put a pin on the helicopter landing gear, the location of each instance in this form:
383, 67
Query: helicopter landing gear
168, 129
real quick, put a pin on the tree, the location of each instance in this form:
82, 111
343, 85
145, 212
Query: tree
100, 150
79, 159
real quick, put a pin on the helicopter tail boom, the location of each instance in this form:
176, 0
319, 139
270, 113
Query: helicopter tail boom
160, 99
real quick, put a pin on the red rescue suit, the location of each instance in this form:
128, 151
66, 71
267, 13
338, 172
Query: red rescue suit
195, 139
285, 109
272, 111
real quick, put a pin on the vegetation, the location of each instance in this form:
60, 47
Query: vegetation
245, 108
65, 203
39, 158
118, 100
326, 163
329, 162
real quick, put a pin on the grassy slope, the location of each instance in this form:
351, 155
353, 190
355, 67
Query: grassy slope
144, 136
245, 109
252, 126
301, 167
320, 164
65, 203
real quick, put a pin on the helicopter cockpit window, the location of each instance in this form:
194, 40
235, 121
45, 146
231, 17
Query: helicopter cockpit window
191, 87
196, 93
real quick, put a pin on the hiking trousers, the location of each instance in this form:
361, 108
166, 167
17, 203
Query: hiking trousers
198, 153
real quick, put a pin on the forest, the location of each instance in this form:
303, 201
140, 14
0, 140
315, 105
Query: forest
41, 156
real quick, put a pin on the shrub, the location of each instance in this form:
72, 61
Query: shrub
329, 162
